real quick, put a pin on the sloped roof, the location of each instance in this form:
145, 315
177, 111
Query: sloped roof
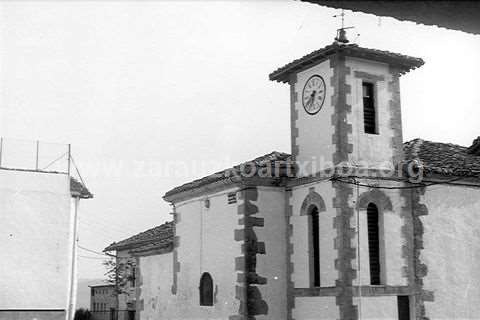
275, 159
436, 157
155, 238
443, 158
77, 188
404, 62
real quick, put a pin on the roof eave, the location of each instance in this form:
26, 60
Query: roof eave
156, 250
405, 64
176, 195
208, 188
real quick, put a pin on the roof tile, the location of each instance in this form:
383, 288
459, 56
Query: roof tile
275, 159
158, 236
443, 158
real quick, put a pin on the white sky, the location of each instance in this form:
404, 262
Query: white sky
138, 86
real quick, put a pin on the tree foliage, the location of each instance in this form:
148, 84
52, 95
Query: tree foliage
82, 314
119, 273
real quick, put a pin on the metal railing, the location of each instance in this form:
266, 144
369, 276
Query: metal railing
34, 155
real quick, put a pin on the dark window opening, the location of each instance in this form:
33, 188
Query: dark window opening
206, 290
315, 255
133, 278
232, 198
369, 114
373, 243
403, 303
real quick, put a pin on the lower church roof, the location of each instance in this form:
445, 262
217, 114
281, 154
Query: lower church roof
434, 157
443, 158
160, 237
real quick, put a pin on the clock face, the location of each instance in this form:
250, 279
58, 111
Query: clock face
313, 94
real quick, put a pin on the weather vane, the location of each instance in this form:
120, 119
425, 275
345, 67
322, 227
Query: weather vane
341, 33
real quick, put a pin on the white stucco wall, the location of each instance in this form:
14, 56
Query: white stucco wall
452, 251
372, 149
156, 275
207, 244
316, 308
391, 239
300, 237
35, 240
315, 131
272, 265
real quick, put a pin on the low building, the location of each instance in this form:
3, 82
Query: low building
103, 302
136, 257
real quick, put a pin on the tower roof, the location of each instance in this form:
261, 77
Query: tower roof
403, 62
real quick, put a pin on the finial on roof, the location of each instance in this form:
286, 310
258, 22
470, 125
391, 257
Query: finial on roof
341, 33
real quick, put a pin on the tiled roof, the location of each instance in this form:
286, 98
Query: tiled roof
276, 159
443, 158
404, 62
76, 187
155, 238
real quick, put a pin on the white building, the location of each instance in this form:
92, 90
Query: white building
39, 209
354, 224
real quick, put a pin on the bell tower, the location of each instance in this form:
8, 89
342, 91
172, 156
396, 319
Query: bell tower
345, 106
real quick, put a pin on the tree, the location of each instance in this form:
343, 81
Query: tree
119, 272
82, 314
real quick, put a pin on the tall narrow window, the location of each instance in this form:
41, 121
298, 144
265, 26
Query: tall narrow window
315, 246
373, 243
206, 290
403, 303
133, 277
369, 114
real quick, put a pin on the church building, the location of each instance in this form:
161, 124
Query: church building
354, 224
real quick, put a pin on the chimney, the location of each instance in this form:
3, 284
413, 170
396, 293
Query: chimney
475, 147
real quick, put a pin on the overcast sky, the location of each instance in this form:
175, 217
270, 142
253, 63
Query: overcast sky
138, 88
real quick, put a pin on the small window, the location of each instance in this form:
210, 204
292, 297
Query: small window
315, 246
206, 290
373, 244
403, 303
369, 113
232, 198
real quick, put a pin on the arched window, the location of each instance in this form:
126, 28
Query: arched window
206, 290
373, 243
315, 246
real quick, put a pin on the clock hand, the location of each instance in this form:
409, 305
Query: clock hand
312, 97
309, 102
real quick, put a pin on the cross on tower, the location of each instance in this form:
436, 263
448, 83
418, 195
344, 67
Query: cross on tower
341, 33
342, 15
